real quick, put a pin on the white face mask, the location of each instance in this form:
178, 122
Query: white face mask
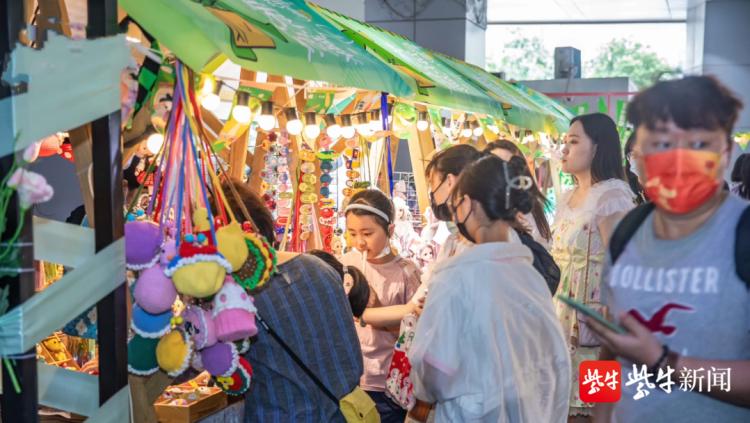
384, 252
633, 168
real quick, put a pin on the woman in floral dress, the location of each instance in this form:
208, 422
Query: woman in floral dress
585, 219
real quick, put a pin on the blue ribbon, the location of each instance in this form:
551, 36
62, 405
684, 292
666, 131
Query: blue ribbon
384, 120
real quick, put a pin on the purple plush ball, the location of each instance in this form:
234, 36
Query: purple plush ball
220, 359
143, 241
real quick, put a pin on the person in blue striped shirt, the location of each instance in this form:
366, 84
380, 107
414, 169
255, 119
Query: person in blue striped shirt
305, 304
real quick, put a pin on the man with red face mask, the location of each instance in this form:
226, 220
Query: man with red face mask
678, 280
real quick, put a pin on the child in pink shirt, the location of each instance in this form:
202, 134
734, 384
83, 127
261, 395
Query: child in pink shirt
393, 281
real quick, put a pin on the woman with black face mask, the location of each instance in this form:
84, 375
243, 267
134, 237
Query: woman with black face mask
442, 173
489, 336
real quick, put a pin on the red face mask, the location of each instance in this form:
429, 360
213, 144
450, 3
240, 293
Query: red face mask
681, 180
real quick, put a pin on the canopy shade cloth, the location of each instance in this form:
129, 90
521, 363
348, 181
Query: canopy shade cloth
281, 37
519, 108
437, 83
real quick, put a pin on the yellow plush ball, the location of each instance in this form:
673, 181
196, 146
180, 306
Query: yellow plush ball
199, 280
173, 353
230, 240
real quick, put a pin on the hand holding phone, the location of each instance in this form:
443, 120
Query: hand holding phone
589, 312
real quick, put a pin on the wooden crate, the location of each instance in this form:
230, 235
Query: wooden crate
192, 412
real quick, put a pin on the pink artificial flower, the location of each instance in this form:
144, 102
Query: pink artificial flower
31, 152
32, 187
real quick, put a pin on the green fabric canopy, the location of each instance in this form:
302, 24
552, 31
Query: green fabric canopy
447, 82
282, 37
437, 83
519, 108
543, 100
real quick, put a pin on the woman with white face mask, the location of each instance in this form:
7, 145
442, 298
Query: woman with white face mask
393, 281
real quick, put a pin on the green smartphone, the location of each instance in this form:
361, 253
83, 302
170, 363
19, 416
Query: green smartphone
590, 312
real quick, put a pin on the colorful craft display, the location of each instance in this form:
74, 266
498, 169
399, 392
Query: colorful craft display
326, 204
353, 164
306, 190
189, 245
275, 187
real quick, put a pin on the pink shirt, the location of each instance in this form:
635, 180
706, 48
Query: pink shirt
392, 283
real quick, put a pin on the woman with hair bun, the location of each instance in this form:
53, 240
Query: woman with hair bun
488, 346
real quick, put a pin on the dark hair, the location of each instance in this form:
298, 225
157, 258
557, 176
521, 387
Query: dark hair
745, 182
607, 162
453, 160
737, 169
632, 178
690, 102
485, 181
506, 145
377, 199
254, 205
537, 212
359, 294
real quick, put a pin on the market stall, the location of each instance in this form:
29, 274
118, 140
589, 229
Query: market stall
305, 124
304, 105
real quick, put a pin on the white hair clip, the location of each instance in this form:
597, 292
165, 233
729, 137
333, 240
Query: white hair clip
518, 182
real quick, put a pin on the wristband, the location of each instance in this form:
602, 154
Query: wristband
660, 362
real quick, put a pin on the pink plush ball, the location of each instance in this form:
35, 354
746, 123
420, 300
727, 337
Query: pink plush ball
154, 291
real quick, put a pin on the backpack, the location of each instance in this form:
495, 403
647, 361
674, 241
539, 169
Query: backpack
543, 261
632, 221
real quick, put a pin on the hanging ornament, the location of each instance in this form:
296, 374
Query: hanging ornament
327, 219
307, 194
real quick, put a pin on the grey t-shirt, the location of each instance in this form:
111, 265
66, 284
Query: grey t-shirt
688, 293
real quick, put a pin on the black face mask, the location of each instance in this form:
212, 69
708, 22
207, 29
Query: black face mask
441, 211
461, 226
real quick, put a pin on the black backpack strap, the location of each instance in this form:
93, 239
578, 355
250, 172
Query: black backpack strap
626, 229
297, 359
742, 247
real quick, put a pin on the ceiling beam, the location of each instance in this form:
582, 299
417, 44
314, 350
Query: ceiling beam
589, 22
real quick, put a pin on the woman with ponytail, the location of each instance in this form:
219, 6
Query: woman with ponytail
536, 221
488, 346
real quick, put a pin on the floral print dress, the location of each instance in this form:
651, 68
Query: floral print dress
579, 251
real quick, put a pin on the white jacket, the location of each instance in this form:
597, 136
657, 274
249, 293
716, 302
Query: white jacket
488, 346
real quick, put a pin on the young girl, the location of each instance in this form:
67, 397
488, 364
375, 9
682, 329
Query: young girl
393, 281
488, 346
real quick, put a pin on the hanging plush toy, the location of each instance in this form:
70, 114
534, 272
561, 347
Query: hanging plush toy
173, 353
199, 269
154, 291
199, 324
142, 356
150, 325
239, 382
220, 359
260, 264
231, 243
143, 242
234, 313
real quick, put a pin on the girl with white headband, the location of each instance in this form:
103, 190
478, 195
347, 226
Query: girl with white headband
393, 281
